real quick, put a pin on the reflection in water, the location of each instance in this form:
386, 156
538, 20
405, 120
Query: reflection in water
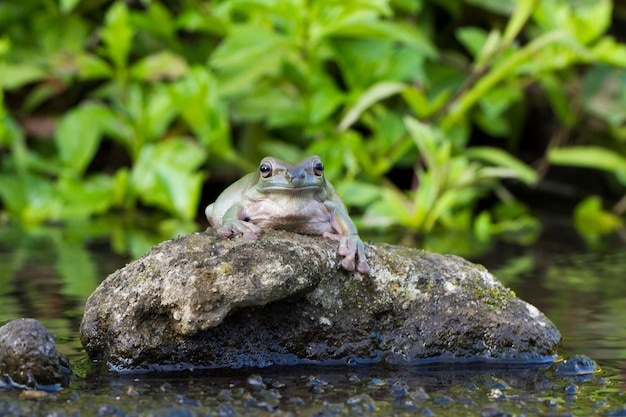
583, 293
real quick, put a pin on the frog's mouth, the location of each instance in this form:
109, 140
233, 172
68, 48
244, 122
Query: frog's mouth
291, 188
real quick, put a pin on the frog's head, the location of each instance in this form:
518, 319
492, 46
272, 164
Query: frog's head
277, 175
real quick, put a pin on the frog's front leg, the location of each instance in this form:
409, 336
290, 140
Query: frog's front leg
234, 222
350, 244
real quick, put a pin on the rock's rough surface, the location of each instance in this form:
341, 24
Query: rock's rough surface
29, 356
206, 301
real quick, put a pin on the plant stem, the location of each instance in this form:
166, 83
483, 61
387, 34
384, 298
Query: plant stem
497, 74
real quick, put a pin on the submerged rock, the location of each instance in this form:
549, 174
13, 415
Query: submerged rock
28, 356
207, 301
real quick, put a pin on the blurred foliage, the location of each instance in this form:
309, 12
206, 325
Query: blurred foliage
118, 105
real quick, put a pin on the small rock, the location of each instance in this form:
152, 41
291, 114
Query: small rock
28, 356
576, 365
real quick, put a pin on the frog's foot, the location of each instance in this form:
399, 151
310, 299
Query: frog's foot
351, 247
249, 230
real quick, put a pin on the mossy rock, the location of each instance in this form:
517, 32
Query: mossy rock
203, 300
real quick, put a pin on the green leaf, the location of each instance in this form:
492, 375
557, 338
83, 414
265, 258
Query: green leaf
78, 135
12, 193
5, 46
12, 135
521, 14
591, 219
492, 117
559, 99
13, 76
498, 127
248, 54
204, 21
589, 157
504, 7
389, 31
38, 95
365, 62
85, 197
503, 159
59, 35
164, 176
557, 42
610, 51
391, 209
586, 20
196, 97
425, 138
489, 48
147, 114
604, 94
162, 65
417, 100
156, 20
325, 98
592, 19
120, 187
498, 100
482, 226
30, 198
67, 6
360, 194
284, 13
373, 95
117, 34
472, 39
92, 67
349, 19
182, 190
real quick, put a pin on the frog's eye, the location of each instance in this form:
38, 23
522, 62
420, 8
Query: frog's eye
318, 168
266, 170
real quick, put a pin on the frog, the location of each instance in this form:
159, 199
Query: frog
296, 198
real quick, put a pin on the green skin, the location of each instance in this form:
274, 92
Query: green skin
296, 198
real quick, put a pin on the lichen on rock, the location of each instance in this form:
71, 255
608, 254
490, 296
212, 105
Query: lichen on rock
203, 300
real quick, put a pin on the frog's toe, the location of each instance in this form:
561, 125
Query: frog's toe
362, 266
332, 236
345, 247
248, 235
249, 230
348, 263
352, 248
224, 231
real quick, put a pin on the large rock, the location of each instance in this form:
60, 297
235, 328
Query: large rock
207, 301
29, 358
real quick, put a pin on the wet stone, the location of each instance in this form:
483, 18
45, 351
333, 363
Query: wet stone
29, 358
576, 365
399, 389
205, 301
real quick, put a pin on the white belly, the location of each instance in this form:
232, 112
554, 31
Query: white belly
300, 215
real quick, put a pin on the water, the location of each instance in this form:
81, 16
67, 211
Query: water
48, 273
